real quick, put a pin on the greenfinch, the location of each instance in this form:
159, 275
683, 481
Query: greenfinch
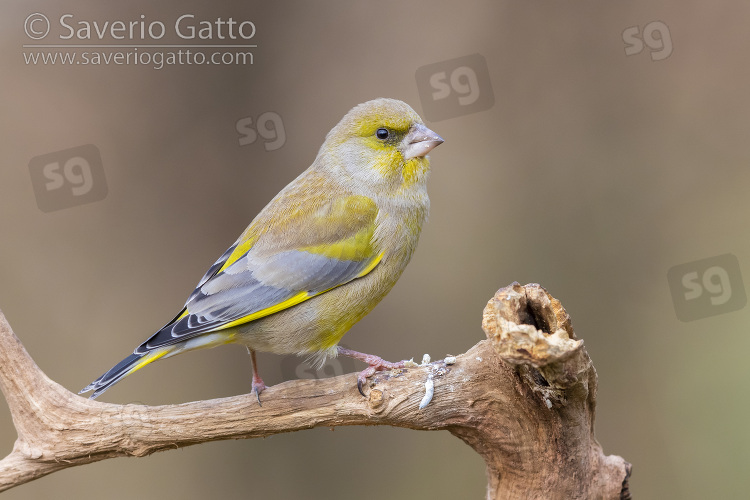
318, 257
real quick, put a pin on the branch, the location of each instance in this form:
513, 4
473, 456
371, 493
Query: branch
524, 399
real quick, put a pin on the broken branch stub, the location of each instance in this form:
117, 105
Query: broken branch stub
531, 332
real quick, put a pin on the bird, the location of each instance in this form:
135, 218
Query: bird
318, 258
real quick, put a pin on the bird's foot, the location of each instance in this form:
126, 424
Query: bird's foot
376, 364
258, 387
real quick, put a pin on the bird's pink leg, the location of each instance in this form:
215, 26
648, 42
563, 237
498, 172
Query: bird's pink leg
258, 385
376, 363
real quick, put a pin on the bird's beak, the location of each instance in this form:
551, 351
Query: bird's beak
419, 141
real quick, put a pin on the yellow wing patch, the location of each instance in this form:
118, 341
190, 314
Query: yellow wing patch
357, 247
350, 212
354, 216
293, 301
148, 359
371, 266
238, 252
345, 230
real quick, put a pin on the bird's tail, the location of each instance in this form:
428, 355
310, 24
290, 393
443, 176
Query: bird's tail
131, 364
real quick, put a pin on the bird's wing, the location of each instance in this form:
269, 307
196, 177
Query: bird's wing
212, 271
282, 259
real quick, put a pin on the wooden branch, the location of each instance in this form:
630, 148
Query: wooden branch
524, 399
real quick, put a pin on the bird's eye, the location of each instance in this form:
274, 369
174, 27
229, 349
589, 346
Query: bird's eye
382, 134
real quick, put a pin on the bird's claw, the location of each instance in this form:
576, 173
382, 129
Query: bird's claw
363, 376
375, 363
258, 387
368, 372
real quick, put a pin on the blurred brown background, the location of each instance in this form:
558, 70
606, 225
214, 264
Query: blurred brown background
593, 173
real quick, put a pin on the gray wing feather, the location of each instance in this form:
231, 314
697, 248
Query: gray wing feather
252, 284
212, 271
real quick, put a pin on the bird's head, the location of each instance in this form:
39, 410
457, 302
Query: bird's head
383, 143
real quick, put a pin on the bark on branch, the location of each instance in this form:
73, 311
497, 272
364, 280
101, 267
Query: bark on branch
524, 400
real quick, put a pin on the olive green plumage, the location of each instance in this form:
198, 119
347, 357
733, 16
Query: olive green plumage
320, 255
